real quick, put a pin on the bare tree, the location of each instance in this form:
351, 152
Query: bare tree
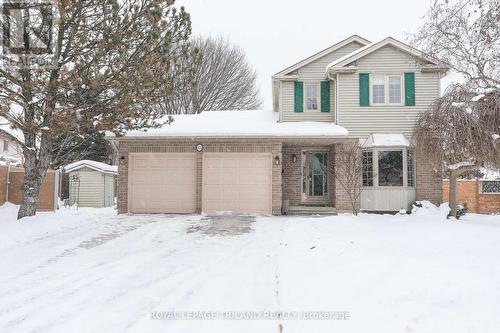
465, 34
111, 59
223, 80
347, 171
461, 133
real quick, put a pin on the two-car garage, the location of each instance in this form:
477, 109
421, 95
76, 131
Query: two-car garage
229, 182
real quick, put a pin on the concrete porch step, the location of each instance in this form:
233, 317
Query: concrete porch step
311, 210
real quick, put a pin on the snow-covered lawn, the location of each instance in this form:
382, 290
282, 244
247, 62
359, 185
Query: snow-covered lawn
93, 271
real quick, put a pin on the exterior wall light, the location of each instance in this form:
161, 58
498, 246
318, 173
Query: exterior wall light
277, 160
294, 158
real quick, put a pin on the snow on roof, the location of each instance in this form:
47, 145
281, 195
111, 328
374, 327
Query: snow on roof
98, 166
6, 127
490, 174
257, 123
386, 140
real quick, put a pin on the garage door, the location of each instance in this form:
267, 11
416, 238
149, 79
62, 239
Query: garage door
162, 183
237, 182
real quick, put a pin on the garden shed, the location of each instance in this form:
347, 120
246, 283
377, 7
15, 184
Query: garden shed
91, 183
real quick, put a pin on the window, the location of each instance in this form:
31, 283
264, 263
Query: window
390, 168
395, 89
312, 97
5, 145
378, 90
411, 168
387, 89
491, 187
367, 168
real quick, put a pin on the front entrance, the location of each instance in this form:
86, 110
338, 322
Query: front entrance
315, 177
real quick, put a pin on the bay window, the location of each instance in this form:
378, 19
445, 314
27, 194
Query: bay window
388, 167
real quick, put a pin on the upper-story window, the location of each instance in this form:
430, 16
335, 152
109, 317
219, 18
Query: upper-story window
5, 145
387, 89
312, 96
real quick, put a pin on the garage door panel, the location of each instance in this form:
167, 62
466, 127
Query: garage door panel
237, 182
162, 183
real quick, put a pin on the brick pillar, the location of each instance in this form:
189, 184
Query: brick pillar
199, 181
277, 186
429, 183
122, 180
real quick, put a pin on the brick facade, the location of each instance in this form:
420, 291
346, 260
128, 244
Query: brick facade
468, 192
428, 180
210, 146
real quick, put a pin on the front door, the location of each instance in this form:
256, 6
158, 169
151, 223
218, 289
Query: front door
314, 177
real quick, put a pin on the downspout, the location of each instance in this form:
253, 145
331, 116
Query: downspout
336, 80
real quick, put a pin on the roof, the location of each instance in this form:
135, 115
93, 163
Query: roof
6, 127
334, 47
257, 123
94, 165
490, 174
363, 51
386, 140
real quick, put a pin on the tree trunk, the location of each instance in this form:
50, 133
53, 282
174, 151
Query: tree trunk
453, 194
33, 176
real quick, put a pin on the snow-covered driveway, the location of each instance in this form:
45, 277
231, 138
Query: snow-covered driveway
93, 271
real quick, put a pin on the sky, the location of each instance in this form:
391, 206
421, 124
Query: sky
278, 33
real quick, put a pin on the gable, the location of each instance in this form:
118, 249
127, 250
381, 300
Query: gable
387, 58
326, 52
316, 69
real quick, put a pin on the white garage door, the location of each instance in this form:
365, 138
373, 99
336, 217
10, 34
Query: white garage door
162, 183
237, 183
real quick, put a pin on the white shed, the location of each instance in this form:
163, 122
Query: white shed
91, 183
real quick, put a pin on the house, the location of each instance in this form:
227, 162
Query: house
91, 183
254, 161
10, 151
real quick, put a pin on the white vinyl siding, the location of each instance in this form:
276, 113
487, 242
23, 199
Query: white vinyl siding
362, 121
314, 71
92, 189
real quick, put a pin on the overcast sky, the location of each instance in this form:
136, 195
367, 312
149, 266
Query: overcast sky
278, 33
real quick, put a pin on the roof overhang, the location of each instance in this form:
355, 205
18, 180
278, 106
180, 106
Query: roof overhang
353, 38
435, 65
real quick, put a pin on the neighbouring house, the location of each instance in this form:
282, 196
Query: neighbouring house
479, 195
254, 161
10, 151
91, 183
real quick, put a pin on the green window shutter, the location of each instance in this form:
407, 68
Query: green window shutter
364, 89
410, 89
298, 96
325, 96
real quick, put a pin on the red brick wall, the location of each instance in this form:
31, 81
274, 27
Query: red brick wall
342, 201
428, 181
468, 191
209, 145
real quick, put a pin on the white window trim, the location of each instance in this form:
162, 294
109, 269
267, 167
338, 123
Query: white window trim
375, 152
386, 89
318, 95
